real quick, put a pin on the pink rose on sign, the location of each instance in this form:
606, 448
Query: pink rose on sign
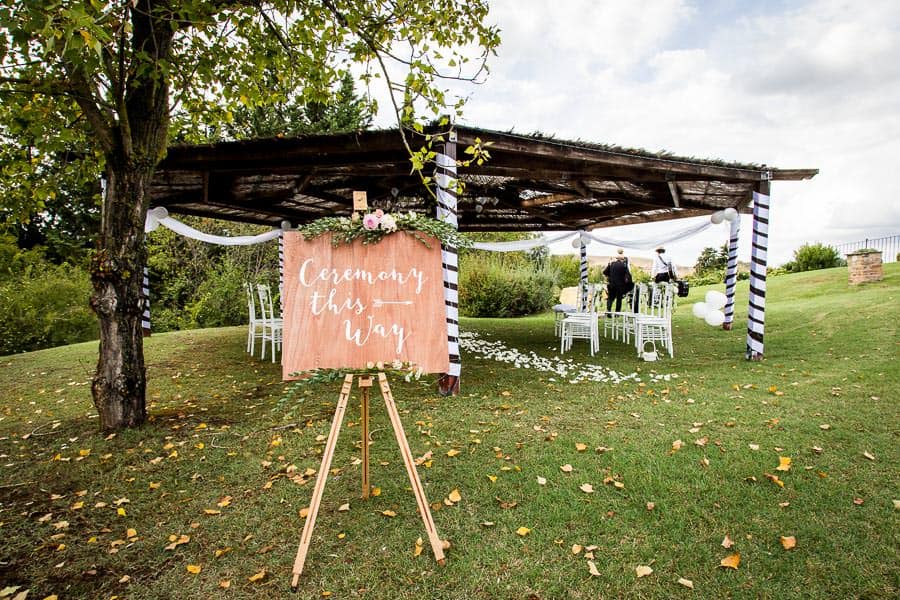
370, 221
379, 213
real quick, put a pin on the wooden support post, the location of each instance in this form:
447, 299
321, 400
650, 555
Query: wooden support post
430, 528
365, 384
327, 455
759, 253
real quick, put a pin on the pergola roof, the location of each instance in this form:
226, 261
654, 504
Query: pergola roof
530, 183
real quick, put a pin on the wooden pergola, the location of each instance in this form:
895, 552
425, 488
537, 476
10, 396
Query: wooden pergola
530, 183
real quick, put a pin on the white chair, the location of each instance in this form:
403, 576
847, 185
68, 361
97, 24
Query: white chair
561, 310
655, 323
582, 325
255, 324
620, 325
272, 326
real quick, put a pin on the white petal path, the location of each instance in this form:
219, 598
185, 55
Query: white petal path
568, 369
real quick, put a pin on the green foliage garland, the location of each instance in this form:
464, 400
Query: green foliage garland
373, 227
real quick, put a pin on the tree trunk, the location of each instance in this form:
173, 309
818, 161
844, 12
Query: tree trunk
119, 384
138, 142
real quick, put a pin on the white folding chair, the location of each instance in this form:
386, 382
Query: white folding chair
655, 324
620, 325
255, 324
272, 326
582, 325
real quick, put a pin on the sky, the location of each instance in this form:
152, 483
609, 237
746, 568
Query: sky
804, 84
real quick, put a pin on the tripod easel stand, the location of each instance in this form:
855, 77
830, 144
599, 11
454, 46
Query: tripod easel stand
365, 383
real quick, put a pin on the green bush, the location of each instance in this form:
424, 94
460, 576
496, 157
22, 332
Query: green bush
492, 287
220, 300
45, 307
811, 257
568, 269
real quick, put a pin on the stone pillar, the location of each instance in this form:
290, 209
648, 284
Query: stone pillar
864, 266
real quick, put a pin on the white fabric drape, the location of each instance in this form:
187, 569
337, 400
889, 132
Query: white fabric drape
188, 231
515, 246
587, 237
520, 245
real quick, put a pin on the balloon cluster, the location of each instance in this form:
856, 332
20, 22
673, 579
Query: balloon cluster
711, 310
154, 216
729, 214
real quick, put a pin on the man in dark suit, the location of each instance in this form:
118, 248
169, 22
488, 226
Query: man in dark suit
618, 279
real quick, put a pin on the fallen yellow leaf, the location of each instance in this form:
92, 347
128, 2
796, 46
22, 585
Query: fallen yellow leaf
224, 502
592, 567
686, 582
576, 548
541, 481
194, 569
727, 542
784, 463
131, 533
257, 576
344, 507
304, 512
493, 478
788, 542
455, 496
580, 447
642, 571
212, 511
523, 531
225, 584
453, 452
567, 468
389, 513
774, 479
731, 561
586, 488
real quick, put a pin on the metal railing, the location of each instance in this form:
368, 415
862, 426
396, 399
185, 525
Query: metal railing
889, 246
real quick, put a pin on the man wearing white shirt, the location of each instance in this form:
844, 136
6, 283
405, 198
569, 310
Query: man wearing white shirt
662, 269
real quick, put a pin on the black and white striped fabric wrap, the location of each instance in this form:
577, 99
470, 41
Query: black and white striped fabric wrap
445, 176
583, 280
756, 313
281, 272
145, 300
731, 269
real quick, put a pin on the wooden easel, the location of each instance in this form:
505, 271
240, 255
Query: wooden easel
365, 383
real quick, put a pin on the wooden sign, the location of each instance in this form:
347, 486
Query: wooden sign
349, 305
360, 202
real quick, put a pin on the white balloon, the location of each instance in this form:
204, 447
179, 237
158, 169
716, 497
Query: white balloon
285, 225
700, 309
160, 212
151, 225
717, 217
715, 300
715, 318
730, 214
576, 243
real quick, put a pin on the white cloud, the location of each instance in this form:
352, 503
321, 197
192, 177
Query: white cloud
812, 85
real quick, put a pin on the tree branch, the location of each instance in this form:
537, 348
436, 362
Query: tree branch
90, 107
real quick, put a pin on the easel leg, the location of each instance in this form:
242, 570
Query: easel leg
306, 537
365, 384
421, 500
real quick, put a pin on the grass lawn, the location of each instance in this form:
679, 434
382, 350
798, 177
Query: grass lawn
226, 465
